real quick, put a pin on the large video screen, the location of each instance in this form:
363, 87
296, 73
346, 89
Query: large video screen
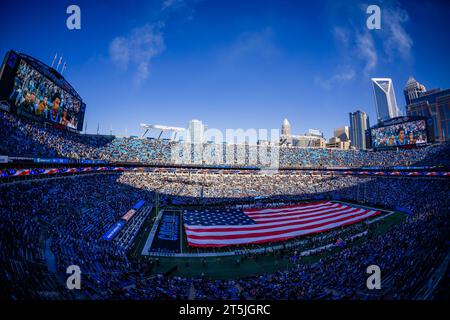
35, 94
402, 134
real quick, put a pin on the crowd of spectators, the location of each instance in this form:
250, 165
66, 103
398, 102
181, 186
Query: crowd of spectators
407, 253
49, 224
23, 138
65, 218
201, 187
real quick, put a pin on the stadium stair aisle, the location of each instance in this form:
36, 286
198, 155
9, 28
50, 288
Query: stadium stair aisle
435, 275
50, 257
234, 291
192, 292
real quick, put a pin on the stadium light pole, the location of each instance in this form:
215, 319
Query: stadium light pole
181, 231
157, 202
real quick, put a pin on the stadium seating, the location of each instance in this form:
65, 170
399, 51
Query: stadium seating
49, 224
21, 137
73, 220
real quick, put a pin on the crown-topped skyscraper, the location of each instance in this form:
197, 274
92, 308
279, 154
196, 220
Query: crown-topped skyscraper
413, 89
286, 128
286, 133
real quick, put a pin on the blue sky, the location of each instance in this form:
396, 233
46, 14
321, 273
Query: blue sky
232, 64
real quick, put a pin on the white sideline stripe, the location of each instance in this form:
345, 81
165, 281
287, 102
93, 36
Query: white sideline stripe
380, 217
258, 250
151, 235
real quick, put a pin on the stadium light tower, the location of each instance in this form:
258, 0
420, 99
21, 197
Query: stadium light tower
146, 127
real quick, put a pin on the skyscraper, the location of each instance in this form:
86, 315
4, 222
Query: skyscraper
434, 104
413, 89
286, 128
385, 103
342, 133
286, 134
359, 123
196, 131
315, 132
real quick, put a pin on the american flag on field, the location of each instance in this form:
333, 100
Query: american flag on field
224, 227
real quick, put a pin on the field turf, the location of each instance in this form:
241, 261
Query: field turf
229, 267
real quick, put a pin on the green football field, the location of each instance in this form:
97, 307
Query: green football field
229, 267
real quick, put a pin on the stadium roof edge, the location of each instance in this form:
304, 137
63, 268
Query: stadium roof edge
161, 127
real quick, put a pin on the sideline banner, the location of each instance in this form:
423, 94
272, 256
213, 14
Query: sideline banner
127, 216
109, 235
139, 204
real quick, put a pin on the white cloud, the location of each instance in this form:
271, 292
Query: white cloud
172, 3
356, 49
260, 44
342, 36
138, 49
167, 4
358, 45
366, 51
119, 52
396, 41
338, 78
182, 9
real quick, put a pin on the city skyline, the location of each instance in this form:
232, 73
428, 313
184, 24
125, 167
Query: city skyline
252, 73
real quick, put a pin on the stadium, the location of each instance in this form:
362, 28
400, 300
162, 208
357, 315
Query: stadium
108, 217
141, 225
124, 226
